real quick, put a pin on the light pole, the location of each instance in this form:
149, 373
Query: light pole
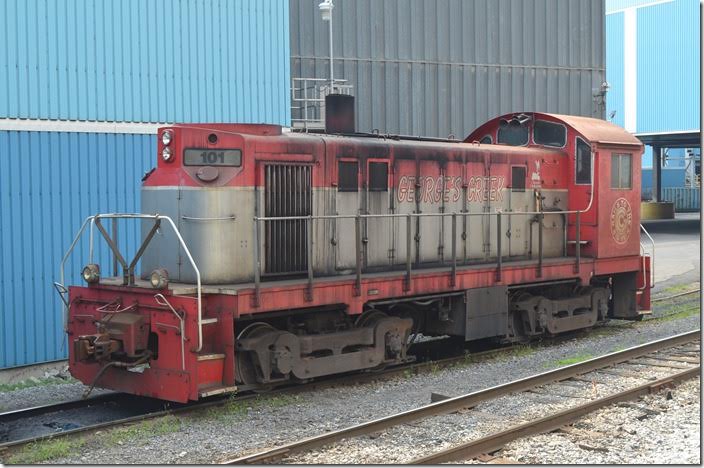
326, 12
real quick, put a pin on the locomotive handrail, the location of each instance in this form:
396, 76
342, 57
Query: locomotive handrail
403, 215
359, 241
161, 300
652, 258
157, 219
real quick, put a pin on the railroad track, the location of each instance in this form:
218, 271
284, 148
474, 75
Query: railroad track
678, 356
673, 296
23, 426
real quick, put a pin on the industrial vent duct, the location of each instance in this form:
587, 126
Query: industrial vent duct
339, 113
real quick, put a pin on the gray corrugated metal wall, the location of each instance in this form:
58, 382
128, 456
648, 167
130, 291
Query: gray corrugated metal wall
435, 67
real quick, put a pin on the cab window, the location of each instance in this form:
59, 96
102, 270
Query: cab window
583, 162
549, 134
621, 171
512, 134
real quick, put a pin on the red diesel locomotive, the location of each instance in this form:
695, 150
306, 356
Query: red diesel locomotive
270, 256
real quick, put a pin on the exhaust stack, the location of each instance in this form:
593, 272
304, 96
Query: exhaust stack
339, 113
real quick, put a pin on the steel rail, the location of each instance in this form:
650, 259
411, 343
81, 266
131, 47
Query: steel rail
20, 413
465, 401
114, 422
548, 423
673, 296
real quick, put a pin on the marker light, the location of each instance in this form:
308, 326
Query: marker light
91, 273
166, 137
159, 278
166, 154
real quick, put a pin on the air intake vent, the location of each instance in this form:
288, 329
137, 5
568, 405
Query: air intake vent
288, 192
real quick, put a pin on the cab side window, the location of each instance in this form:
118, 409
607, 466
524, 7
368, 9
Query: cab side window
583, 163
621, 171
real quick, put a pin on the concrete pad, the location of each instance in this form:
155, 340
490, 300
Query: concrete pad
677, 255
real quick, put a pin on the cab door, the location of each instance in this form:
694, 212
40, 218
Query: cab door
581, 184
519, 198
619, 200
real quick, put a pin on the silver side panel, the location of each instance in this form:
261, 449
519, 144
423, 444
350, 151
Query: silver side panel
222, 246
216, 224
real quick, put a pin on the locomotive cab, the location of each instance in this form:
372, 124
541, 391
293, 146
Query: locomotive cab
603, 180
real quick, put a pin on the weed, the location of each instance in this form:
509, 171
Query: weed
677, 313
408, 373
573, 360
41, 451
237, 409
521, 350
607, 331
143, 430
679, 288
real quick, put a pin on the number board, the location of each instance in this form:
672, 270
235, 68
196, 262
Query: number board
212, 157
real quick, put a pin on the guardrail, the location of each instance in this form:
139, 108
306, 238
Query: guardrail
127, 269
308, 99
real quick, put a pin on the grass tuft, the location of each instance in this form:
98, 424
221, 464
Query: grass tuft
35, 382
680, 288
573, 360
677, 313
37, 452
143, 430
236, 410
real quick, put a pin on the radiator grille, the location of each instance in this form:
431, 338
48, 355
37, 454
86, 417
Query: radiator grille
287, 193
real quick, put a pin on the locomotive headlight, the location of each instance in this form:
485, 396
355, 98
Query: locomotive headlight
166, 137
166, 154
91, 273
159, 278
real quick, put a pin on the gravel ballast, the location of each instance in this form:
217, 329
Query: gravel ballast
402, 444
662, 428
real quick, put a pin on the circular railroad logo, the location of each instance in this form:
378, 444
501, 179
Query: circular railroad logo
621, 220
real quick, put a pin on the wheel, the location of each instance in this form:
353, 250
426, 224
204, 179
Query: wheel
245, 369
370, 317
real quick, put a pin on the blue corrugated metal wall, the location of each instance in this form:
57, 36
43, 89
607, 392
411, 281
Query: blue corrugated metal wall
49, 183
145, 61
116, 61
667, 60
614, 67
668, 67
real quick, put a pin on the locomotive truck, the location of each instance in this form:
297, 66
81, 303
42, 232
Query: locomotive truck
271, 256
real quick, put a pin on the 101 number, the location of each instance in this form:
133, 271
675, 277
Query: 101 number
212, 157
